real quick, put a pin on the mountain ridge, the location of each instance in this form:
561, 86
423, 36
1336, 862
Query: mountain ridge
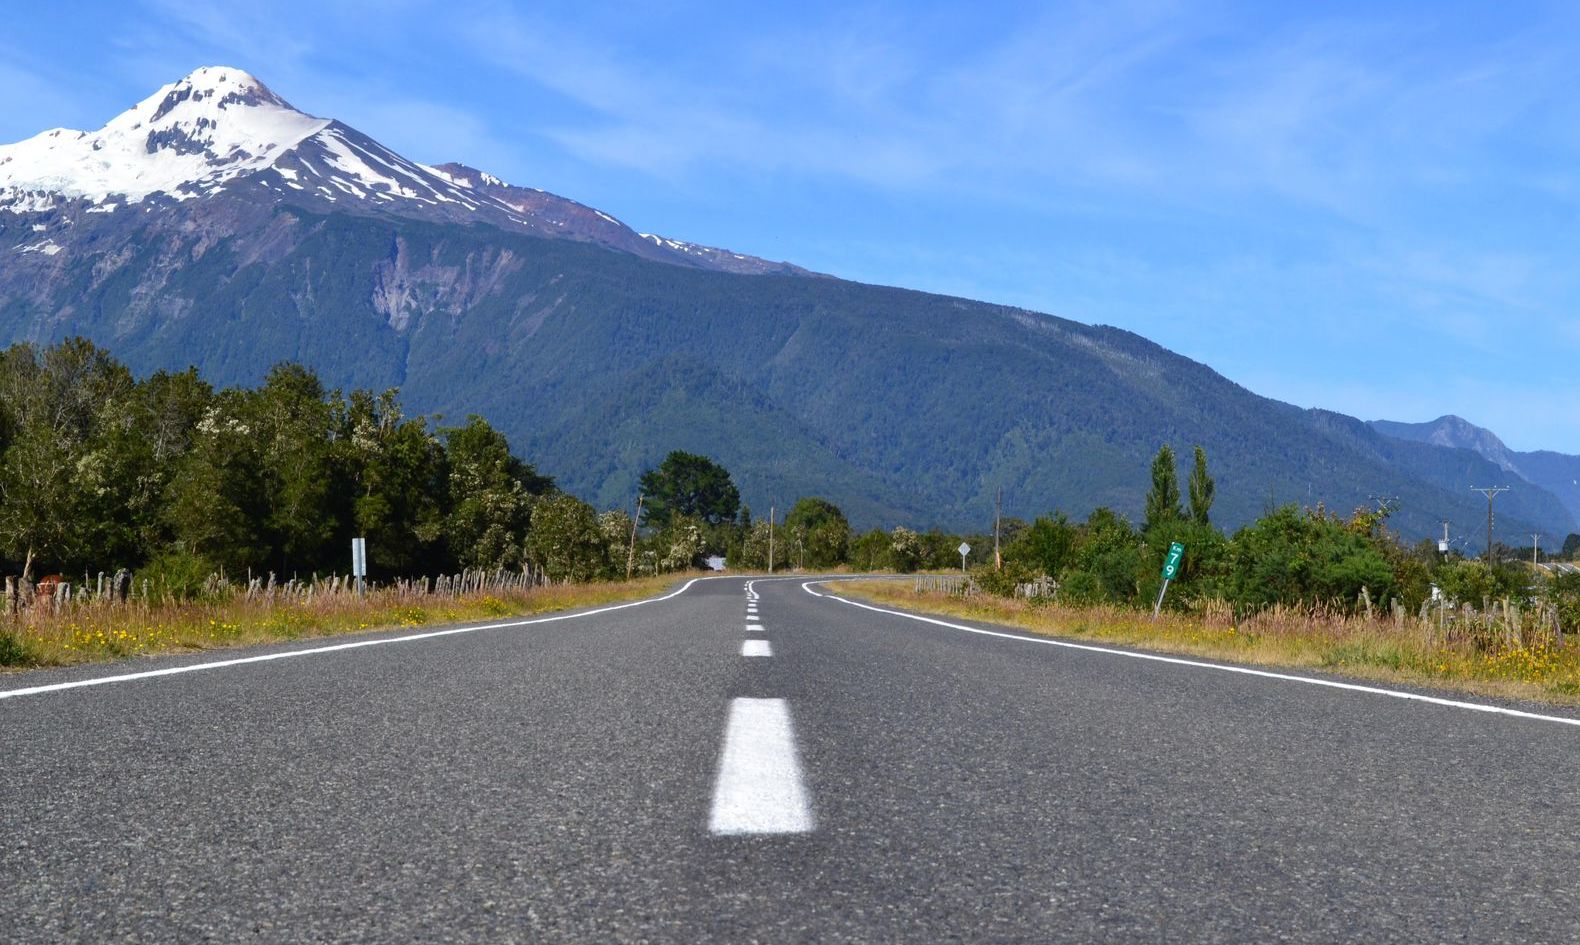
1554, 472
221, 128
596, 359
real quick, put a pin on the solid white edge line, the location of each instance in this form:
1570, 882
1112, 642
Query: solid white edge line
1197, 664
357, 644
760, 788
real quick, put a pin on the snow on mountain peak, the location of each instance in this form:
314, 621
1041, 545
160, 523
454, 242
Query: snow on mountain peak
186, 139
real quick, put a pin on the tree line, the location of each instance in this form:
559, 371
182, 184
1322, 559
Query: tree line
168, 476
175, 479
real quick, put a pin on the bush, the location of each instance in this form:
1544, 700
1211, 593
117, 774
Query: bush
1001, 583
179, 575
12, 652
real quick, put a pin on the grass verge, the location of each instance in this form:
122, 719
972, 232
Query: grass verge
96, 632
1377, 649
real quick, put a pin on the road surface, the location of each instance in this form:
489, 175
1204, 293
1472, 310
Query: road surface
758, 763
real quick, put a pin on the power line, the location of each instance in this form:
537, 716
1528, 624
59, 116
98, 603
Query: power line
1491, 492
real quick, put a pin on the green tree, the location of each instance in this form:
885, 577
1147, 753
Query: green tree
822, 529
1108, 557
753, 554
1202, 490
906, 550
1046, 546
682, 544
565, 540
1163, 500
688, 485
292, 421
396, 476
1296, 557
615, 528
870, 551
214, 504
490, 497
55, 405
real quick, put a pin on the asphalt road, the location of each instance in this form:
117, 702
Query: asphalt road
634, 776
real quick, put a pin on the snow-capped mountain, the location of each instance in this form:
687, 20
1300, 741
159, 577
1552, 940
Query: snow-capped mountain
220, 132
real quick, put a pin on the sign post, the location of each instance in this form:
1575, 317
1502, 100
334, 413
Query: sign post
1171, 567
359, 561
964, 550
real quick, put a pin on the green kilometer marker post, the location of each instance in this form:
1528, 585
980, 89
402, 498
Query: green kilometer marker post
1171, 567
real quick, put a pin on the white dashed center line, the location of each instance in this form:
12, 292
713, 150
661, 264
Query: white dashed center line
756, 648
760, 788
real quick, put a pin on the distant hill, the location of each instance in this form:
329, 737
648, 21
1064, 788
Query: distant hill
1557, 473
233, 239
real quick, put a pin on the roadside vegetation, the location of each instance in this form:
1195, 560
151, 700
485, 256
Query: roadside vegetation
1409, 652
1300, 588
95, 630
140, 515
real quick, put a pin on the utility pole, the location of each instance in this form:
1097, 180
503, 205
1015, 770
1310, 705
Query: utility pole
1536, 544
998, 509
770, 539
630, 558
1491, 492
1442, 546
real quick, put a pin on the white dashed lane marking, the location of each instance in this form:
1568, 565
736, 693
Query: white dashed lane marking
760, 787
756, 648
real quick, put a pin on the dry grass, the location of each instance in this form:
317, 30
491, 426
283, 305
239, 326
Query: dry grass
1406, 651
98, 631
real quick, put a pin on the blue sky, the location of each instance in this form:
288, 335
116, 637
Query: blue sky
1368, 207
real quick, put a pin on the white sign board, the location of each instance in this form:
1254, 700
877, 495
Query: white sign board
359, 557
964, 549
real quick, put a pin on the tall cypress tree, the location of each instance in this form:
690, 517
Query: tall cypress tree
1163, 502
1202, 489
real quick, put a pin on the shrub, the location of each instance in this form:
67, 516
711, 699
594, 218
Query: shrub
178, 575
12, 652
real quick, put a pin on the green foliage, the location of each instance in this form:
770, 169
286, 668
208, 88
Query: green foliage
1202, 490
12, 651
490, 497
214, 503
821, 532
614, 529
1047, 546
906, 550
1163, 499
691, 486
1293, 556
566, 542
870, 551
1477, 582
177, 575
396, 470
1571, 547
55, 408
682, 544
1001, 582
753, 551
1564, 592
